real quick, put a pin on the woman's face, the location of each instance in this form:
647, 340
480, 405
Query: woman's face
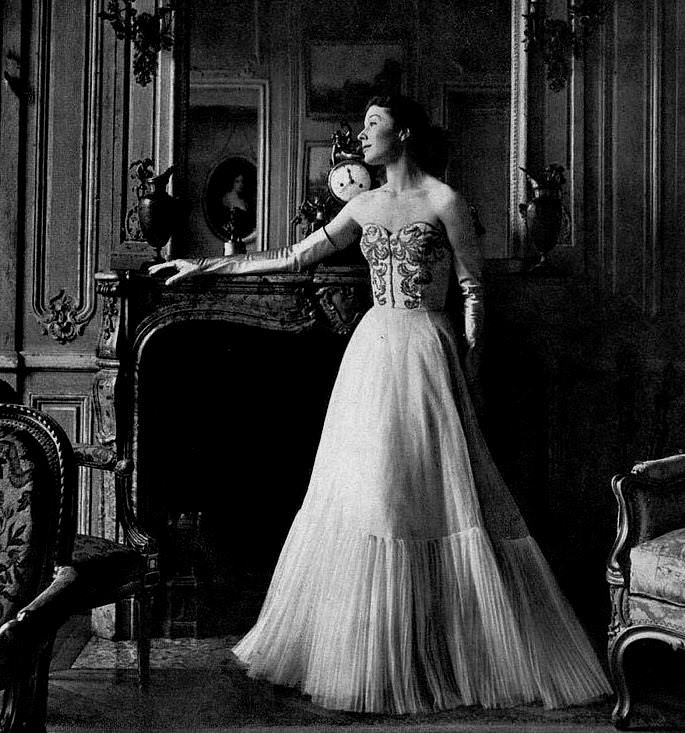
239, 184
380, 138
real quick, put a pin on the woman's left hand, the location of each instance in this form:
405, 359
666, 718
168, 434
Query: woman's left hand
184, 269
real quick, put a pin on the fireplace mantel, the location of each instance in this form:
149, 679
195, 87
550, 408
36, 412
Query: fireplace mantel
135, 306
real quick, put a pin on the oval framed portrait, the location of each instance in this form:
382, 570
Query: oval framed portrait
230, 198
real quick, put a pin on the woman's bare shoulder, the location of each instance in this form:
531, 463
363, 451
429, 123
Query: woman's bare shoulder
443, 195
445, 198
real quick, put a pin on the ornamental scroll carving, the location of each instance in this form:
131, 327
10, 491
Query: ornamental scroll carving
343, 307
110, 317
104, 387
63, 320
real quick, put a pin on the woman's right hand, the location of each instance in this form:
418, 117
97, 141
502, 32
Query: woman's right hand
184, 269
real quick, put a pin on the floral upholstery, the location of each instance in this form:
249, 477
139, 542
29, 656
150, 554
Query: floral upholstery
656, 613
646, 567
657, 567
22, 543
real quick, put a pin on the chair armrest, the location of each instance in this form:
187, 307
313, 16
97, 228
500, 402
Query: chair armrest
101, 457
647, 508
661, 469
106, 459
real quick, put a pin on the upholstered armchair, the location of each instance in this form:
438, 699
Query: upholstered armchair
89, 571
646, 568
37, 526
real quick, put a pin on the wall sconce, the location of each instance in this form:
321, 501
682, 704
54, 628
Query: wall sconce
560, 40
149, 33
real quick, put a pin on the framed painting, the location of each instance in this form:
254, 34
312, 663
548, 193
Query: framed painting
341, 77
230, 196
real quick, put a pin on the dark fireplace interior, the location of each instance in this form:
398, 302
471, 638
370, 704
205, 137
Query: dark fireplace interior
229, 420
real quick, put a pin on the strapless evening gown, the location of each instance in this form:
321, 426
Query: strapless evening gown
409, 581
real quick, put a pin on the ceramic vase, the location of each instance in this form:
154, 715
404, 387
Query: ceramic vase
543, 214
157, 212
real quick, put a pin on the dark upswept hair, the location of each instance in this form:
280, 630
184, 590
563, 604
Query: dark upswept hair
427, 143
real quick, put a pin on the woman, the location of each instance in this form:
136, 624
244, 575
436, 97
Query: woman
409, 581
239, 219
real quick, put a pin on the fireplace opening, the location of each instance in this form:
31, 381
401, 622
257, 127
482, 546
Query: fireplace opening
228, 424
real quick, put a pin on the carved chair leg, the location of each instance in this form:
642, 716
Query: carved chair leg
26, 697
39, 711
142, 606
12, 704
617, 649
620, 715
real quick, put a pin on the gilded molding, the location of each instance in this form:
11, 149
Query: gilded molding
215, 82
518, 130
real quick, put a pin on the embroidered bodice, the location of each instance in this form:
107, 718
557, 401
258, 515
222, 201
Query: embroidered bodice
410, 268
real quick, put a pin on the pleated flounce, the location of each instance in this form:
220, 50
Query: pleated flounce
408, 581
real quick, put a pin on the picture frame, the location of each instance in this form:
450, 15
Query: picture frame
230, 197
340, 77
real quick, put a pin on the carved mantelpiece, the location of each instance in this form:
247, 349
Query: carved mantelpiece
134, 307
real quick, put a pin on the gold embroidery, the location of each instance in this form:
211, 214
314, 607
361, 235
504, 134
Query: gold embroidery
417, 250
412, 252
375, 246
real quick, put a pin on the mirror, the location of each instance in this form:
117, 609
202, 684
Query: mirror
258, 114
225, 168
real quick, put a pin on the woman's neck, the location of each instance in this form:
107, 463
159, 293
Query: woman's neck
403, 175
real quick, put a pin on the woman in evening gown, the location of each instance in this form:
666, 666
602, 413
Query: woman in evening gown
409, 581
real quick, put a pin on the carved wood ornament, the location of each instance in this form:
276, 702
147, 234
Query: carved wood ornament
63, 320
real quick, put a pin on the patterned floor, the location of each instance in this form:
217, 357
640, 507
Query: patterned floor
197, 686
165, 654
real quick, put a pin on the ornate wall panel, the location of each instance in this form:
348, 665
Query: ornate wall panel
63, 170
74, 413
629, 165
632, 205
653, 164
11, 94
672, 178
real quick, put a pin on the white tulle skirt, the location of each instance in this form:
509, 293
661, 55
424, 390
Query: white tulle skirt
408, 581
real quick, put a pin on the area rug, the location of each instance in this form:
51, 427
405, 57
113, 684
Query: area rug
197, 686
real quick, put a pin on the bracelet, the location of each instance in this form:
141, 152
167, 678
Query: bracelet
328, 237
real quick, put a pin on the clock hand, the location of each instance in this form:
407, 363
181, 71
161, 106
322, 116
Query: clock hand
349, 175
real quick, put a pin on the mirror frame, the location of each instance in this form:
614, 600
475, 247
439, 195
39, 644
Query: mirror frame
222, 84
518, 130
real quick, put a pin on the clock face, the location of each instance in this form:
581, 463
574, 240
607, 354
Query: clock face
348, 179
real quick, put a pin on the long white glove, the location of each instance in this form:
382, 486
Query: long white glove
285, 259
294, 258
468, 265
